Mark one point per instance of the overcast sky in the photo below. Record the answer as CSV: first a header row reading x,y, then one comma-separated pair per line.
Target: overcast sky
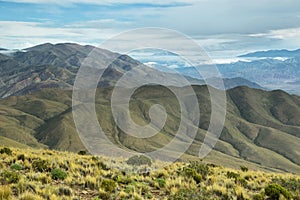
x,y
223,27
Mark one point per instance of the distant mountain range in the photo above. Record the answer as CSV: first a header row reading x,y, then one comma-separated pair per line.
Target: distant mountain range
x,y
261,130
273,69
273,53
55,66
270,70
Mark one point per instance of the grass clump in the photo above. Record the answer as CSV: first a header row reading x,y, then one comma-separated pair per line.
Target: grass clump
x,y
30,196
5,192
64,191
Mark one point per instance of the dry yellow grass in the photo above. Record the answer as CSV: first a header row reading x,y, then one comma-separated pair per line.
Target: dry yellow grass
x,y
28,174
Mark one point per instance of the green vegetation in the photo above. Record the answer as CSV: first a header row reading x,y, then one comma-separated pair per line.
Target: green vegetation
x,y
72,176
139,160
82,152
5,150
274,191
264,132
10,177
58,174
40,165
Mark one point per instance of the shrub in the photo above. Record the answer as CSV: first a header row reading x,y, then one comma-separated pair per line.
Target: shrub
x,y
58,174
291,184
41,165
5,192
189,172
10,177
241,181
244,168
21,157
103,195
44,179
258,197
102,165
274,191
139,160
232,175
108,185
82,153
161,182
6,150
16,167
201,169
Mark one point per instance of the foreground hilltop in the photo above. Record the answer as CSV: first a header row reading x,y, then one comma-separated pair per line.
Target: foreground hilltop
x,y
45,174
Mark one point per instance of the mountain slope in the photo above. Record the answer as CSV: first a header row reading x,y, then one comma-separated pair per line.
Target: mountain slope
x,y
262,128
55,66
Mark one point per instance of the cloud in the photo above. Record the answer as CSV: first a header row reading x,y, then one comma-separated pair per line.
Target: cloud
x,y
166,3
15,34
285,33
231,28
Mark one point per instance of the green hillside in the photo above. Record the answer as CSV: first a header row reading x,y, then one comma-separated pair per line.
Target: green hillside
x,y
262,129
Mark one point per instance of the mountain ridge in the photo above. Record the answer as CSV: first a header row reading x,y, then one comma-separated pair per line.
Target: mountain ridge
x,y
55,66
264,132
273,53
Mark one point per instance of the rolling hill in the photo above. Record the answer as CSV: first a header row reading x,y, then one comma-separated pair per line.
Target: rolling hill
x,y
261,130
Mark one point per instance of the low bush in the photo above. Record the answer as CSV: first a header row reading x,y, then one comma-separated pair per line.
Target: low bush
x,y
191,173
6,150
58,174
139,160
108,185
41,165
161,182
200,168
232,175
16,167
21,157
244,168
82,153
10,177
274,191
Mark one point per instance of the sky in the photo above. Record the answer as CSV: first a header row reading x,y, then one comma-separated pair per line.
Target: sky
x,y
224,28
